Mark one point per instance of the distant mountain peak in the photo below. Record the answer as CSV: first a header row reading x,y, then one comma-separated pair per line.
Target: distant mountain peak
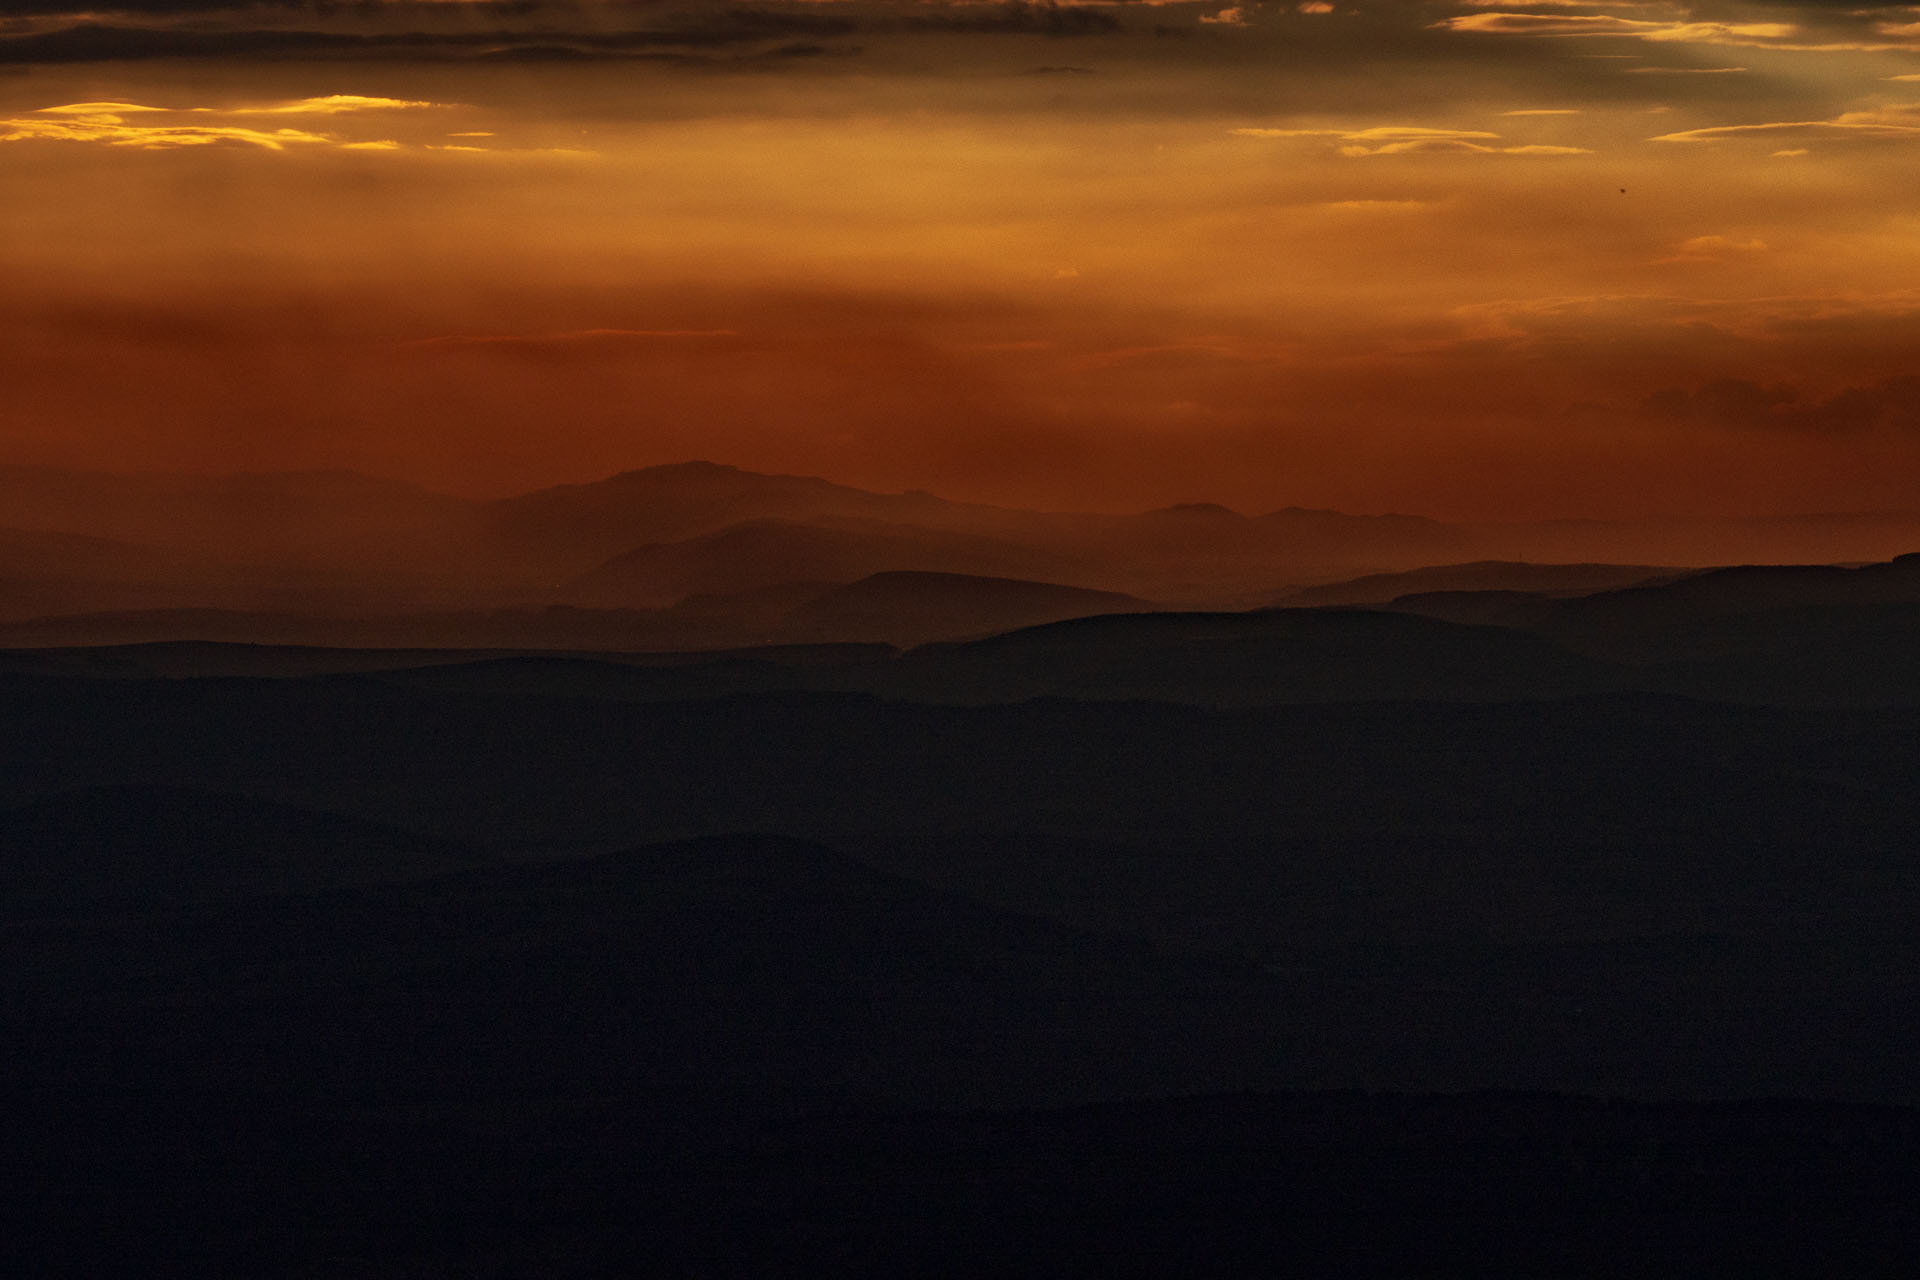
x,y
1201,510
691,467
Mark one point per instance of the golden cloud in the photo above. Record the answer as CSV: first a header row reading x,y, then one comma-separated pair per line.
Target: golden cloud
x,y
1901,121
332,105
1712,249
108,124
1399,140
1604,24
109,128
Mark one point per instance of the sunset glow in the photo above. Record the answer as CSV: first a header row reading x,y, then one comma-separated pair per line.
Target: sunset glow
x,y
1468,260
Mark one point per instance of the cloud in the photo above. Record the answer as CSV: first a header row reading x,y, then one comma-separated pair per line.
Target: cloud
x,y
1313,6
1897,122
134,124
1544,111
1425,145
98,109
1017,17
1234,17
1712,249
1399,140
331,105
1786,36
1602,24
110,128
91,40
1378,133
1375,206
1684,71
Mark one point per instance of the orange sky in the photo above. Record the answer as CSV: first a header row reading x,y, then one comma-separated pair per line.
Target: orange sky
x,y
1102,256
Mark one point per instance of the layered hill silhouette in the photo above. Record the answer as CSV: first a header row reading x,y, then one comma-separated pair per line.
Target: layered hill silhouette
x,y
1054,942
702,872
1655,896
706,539
1481,575
695,1055
911,608
768,553
1661,618
1796,635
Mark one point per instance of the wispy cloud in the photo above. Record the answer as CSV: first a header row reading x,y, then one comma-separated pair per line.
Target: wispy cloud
x,y
138,125
110,128
1785,36
1900,122
1397,140
1701,249
1377,133
331,105
1605,24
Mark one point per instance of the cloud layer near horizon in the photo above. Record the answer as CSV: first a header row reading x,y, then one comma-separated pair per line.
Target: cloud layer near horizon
x,y
1472,259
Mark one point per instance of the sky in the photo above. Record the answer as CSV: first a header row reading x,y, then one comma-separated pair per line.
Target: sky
x,y
1467,259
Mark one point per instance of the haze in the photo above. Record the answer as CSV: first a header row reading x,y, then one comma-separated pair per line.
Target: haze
x,y
1475,262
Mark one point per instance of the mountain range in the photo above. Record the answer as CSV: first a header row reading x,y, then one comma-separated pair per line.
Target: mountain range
x,y
707,873
699,555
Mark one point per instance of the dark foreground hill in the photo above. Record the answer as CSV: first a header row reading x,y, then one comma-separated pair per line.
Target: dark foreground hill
x,y
1624,893
717,1057
137,847
767,974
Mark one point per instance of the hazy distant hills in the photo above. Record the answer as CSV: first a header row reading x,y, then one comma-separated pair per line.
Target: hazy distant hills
x,y
1481,575
1813,636
699,555
587,524
758,554
911,608
1657,614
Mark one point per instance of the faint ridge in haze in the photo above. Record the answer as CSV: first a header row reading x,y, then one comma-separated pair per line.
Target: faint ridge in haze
x,y
685,545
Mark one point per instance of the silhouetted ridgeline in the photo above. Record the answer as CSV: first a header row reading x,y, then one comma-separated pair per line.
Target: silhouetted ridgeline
x,y
1795,635
698,555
